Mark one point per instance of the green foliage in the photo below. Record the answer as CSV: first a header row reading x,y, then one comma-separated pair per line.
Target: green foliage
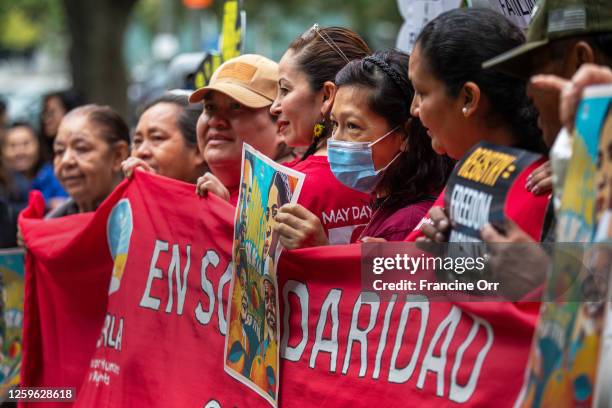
x,y
26,24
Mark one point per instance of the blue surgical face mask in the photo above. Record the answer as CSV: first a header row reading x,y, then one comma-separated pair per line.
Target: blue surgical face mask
x,y
353,165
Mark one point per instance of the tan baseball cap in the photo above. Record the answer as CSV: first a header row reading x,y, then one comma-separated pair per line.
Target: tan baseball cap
x,y
250,79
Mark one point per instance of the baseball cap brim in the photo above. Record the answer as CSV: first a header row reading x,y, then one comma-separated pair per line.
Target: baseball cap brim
x,y
238,92
517,61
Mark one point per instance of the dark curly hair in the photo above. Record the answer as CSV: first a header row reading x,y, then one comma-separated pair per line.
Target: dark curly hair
x,y
418,173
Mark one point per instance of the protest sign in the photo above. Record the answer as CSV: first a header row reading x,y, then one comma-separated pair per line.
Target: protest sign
x,y
517,11
156,337
565,352
416,14
251,348
11,310
603,234
484,183
231,42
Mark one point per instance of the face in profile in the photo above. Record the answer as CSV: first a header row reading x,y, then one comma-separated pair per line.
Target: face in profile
x,y
21,150
544,62
439,113
159,142
270,306
297,106
86,165
603,200
53,112
244,300
274,203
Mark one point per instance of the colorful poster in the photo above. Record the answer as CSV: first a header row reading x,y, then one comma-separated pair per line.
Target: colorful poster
x,y
251,350
603,234
11,310
565,351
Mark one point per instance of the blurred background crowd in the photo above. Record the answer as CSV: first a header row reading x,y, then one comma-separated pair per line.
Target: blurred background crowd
x,y
56,55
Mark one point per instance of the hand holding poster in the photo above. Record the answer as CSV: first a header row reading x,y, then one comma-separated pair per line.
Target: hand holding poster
x,y
565,352
603,234
487,180
251,350
157,337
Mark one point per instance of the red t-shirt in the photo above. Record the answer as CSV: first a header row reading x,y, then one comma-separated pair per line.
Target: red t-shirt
x,y
340,208
522,206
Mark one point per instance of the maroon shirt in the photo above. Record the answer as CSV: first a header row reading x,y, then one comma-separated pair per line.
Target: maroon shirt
x,y
394,225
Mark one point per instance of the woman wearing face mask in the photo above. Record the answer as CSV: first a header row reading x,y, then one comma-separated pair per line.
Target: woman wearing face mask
x,y
165,140
399,168
327,210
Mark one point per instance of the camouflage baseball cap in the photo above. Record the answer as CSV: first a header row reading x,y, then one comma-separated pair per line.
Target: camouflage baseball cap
x,y
552,20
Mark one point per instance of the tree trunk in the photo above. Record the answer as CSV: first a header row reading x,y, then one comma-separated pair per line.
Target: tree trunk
x,y
97,28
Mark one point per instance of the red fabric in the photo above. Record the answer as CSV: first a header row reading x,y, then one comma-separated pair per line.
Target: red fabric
x,y
326,273
339,208
171,355
527,210
67,272
234,196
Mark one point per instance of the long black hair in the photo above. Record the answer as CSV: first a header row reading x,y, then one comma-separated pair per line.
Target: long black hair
x,y
418,173
454,46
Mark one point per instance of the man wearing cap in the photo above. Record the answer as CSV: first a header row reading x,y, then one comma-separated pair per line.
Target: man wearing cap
x,y
236,110
562,36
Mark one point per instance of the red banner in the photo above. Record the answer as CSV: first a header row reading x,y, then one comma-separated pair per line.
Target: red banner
x,y
157,339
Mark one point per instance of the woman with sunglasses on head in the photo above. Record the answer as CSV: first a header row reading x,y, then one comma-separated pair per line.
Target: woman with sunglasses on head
x,y
327,210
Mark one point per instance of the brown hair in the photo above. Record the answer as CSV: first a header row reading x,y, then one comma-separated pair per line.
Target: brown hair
x,y
110,124
320,53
